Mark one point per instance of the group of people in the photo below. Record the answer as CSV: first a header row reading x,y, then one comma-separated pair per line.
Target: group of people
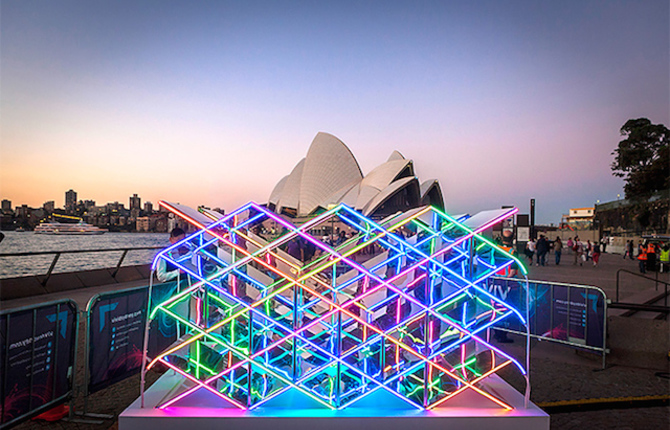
x,y
649,254
582,251
540,249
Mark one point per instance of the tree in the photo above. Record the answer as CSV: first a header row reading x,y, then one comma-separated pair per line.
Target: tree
x,y
643,158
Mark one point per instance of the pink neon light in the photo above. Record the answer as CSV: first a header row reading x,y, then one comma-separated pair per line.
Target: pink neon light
x,y
355,301
198,310
186,375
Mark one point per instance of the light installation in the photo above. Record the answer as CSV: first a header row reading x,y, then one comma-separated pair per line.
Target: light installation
x,y
400,305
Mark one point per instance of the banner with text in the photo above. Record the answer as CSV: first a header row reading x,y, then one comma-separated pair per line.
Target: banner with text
x,y
570,313
116,333
37,348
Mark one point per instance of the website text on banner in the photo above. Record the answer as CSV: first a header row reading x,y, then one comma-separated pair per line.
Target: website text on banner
x,y
37,353
116,333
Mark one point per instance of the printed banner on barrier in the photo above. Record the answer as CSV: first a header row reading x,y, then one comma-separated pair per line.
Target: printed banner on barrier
x,y
578,319
116,334
38,348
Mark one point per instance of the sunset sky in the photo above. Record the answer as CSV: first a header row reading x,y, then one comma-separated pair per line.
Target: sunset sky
x,y
213,102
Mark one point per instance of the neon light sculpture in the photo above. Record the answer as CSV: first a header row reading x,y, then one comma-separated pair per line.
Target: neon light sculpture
x,y
400,305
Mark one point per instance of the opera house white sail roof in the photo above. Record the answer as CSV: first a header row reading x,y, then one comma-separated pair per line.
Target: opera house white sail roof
x,y
330,175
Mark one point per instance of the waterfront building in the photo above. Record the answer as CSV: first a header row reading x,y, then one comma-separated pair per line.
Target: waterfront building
x,y
97,210
161,223
142,224
22,211
89,204
330,175
148,208
115,207
135,202
6,206
70,201
49,206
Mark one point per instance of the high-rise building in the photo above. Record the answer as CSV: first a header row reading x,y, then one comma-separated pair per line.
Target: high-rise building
x,y
6,206
135,202
88,204
49,206
148,208
22,211
70,201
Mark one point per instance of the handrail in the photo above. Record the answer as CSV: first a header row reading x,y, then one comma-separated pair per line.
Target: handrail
x,y
637,307
656,280
78,251
57,255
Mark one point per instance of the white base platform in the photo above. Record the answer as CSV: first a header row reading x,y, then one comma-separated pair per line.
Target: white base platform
x,y
203,410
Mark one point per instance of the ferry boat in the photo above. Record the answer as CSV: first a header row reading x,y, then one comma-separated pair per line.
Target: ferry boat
x,y
55,227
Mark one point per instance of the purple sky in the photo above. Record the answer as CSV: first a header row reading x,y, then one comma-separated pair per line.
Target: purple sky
x,y
213,103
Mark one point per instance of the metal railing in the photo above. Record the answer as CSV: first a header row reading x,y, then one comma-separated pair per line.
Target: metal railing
x,y
572,290
642,306
57,255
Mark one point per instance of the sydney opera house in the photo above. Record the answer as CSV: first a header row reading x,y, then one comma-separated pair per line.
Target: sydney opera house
x,y
330,175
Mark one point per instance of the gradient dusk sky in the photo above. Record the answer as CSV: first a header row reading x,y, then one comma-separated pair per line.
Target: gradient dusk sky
x,y
213,102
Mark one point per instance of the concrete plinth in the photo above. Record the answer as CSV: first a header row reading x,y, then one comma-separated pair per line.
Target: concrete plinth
x,y
293,411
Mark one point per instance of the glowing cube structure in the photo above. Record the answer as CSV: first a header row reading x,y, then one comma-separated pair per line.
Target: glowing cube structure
x,y
399,305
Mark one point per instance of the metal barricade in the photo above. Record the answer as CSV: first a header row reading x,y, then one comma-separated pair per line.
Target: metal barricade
x,y
115,337
38,359
569,314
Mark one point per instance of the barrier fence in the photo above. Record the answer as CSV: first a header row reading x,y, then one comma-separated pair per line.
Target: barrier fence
x,y
39,343
38,359
115,334
571,314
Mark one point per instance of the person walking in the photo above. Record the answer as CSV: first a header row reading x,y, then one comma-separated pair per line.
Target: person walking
x,y
642,257
588,250
570,244
625,250
558,249
530,250
578,249
629,250
542,250
665,258
596,254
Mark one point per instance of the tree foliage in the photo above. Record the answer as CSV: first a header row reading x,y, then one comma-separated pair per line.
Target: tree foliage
x,y
643,158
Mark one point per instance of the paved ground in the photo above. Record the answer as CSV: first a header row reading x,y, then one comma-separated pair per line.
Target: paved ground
x,y
557,372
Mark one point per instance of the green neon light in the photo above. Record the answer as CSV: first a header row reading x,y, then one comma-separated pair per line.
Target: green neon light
x,y
524,270
211,336
470,361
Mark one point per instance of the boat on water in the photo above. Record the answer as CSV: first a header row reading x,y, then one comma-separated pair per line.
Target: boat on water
x,y
55,227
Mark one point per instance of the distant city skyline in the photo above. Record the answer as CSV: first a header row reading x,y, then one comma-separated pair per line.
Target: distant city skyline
x,y
54,202
212,103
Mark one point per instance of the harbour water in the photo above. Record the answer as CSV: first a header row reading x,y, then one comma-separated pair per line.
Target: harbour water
x,y
37,265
